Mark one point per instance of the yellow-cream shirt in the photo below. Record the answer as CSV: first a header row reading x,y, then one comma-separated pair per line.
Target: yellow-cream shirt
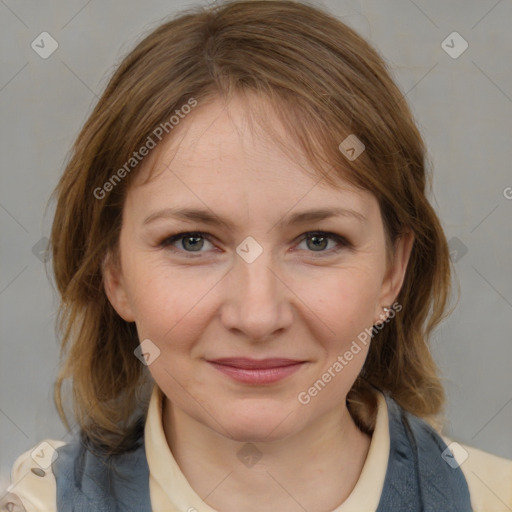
x,y
489,477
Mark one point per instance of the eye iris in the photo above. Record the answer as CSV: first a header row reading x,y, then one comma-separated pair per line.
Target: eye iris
x,y
194,245
321,238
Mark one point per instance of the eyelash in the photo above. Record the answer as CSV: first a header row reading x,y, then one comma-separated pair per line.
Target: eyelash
x,y
344,243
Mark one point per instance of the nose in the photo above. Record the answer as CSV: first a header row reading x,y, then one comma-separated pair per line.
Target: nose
x,y
256,299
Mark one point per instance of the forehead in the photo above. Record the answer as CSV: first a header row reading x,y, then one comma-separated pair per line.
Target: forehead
x,y
223,154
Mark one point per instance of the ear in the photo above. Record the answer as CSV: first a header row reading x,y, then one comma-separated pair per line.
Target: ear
x,y
115,288
395,274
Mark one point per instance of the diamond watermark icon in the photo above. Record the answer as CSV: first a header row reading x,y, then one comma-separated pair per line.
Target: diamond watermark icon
x,y
147,352
44,455
249,454
249,249
44,45
458,249
351,147
455,455
454,45
40,249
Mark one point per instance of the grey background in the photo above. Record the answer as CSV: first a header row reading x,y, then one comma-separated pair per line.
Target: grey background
x,y
463,107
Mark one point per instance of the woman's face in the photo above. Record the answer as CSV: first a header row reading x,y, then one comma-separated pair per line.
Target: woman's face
x,y
256,286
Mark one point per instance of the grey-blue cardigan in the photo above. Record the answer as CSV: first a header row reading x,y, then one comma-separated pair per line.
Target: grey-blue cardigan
x,y
417,477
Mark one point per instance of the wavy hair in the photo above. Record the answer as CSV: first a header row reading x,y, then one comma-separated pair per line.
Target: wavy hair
x,y
324,82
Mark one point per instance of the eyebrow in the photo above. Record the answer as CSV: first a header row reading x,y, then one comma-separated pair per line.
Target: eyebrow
x,y
207,217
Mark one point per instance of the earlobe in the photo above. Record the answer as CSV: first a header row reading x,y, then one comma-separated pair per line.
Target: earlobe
x,y
115,288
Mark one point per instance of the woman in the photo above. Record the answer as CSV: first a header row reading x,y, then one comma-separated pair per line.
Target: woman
x,y
243,239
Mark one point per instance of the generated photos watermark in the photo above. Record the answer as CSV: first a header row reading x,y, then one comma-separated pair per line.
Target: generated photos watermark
x,y
137,156
304,397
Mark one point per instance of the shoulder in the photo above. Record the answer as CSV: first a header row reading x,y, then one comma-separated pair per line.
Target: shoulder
x,y
489,477
417,477
33,486
54,475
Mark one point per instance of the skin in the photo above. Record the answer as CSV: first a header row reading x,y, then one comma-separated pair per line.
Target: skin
x,y
296,300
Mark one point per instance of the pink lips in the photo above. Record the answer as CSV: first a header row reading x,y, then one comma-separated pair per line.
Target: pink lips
x,y
254,371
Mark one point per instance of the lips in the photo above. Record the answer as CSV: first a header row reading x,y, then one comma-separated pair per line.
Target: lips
x,y
257,372
254,364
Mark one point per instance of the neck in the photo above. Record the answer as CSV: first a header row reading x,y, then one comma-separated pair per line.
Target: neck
x,y
279,475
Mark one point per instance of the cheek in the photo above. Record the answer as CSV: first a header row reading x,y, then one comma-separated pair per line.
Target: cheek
x,y
168,304
346,308
344,300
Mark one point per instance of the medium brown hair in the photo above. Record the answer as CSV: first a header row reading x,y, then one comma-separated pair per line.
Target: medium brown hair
x,y
324,82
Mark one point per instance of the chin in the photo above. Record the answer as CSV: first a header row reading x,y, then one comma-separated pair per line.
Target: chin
x,y
252,435
255,426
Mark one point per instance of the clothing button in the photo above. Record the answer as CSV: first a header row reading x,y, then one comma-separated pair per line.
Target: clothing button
x,y
38,471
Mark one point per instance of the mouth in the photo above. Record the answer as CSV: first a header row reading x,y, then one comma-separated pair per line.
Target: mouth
x,y
257,371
